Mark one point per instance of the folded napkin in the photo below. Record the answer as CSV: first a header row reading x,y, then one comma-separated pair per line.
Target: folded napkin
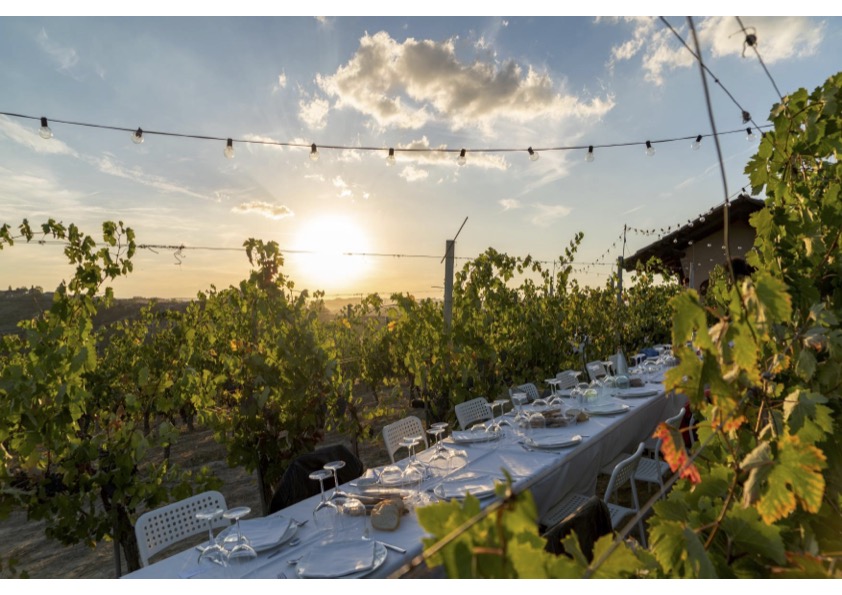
x,y
263,533
471,483
637,391
337,558
553,441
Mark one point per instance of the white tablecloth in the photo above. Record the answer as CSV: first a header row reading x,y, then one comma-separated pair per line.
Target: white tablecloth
x,y
551,475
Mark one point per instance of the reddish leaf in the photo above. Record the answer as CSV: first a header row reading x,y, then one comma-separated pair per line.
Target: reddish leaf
x,y
672,448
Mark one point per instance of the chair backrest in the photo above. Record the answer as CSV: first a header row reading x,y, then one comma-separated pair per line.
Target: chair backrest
x,y
158,529
394,432
568,379
295,484
471,412
622,473
596,370
530,389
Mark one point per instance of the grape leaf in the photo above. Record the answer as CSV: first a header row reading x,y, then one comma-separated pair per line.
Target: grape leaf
x,y
680,551
795,477
748,533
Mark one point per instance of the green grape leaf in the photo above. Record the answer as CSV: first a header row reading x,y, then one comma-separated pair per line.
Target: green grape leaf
x,y
802,566
620,563
773,296
806,364
750,534
689,320
795,477
680,551
801,407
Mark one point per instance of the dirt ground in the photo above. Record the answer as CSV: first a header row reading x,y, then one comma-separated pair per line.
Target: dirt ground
x,y
43,558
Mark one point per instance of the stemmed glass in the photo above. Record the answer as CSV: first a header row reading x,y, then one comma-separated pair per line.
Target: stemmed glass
x,y
326,512
521,417
335,466
242,546
213,552
440,460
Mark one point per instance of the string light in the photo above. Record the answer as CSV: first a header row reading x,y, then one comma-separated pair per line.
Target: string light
x,y
462,160
45,131
229,149
533,156
137,136
650,150
390,160
589,157
697,144
750,136
314,152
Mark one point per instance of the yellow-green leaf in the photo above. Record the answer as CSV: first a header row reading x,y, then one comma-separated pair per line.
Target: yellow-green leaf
x,y
795,478
680,551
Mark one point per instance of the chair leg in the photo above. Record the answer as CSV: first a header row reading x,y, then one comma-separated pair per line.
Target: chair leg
x,y
636,501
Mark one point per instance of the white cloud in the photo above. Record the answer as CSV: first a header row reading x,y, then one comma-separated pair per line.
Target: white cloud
x,y
108,166
779,38
324,21
260,138
424,152
344,190
509,204
266,209
410,173
410,84
314,113
282,80
547,214
349,156
65,57
28,137
505,23
316,177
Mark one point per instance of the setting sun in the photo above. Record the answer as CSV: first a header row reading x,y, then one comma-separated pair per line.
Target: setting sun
x,y
329,249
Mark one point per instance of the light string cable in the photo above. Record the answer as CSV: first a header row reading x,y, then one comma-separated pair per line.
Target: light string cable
x,y
751,41
746,115
313,147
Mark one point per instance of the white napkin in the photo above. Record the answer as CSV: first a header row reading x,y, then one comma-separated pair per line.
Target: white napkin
x,y
553,440
337,558
459,487
264,532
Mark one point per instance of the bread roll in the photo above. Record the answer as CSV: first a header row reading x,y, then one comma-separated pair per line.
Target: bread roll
x,y
386,515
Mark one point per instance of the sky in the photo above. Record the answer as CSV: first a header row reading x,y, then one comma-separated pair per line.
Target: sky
x,y
349,223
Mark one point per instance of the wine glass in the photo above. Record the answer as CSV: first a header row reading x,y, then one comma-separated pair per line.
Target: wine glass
x,y
325,513
241,544
335,466
439,461
352,515
213,551
521,416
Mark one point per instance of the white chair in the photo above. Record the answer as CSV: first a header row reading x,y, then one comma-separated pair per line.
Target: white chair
x,y
596,370
530,389
158,529
654,470
473,411
621,474
567,379
394,432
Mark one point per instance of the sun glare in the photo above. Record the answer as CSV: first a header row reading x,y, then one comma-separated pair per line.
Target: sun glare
x,y
325,244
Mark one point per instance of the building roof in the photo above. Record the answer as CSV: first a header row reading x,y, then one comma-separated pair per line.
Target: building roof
x,y
670,252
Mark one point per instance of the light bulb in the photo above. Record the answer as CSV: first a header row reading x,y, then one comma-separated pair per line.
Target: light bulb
x,y
697,144
462,160
533,156
650,150
702,218
45,131
314,152
750,136
589,157
229,149
390,160
137,136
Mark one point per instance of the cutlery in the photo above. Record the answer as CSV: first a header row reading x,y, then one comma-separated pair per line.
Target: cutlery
x,y
291,543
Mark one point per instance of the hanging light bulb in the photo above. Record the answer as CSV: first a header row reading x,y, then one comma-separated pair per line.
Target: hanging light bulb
x,y
702,218
750,136
697,144
45,131
390,160
589,157
462,160
314,152
533,156
137,136
229,149
650,150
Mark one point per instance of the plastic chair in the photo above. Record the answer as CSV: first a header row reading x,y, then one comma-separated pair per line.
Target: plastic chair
x,y
394,432
568,379
295,484
473,411
530,389
596,369
158,529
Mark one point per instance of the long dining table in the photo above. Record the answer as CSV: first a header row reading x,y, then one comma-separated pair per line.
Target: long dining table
x,y
550,474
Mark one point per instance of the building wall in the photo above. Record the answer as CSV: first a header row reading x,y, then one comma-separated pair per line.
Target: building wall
x,y
706,253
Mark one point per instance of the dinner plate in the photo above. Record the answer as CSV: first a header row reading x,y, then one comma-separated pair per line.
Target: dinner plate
x,y
607,409
317,562
637,392
469,437
265,533
476,484
552,442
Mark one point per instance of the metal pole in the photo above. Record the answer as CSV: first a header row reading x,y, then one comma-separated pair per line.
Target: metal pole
x,y
449,250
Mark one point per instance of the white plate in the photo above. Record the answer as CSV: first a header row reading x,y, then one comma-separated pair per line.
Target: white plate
x,y
607,409
552,442
469,437
318,557
265,533
636,392
478,485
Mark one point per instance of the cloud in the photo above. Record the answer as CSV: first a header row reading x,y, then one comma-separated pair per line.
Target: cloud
x,y
423,152
29,138
65,57
314,113
108,166
410,173
324,21
414,83
509,204
282,80
547,214
266,209
260,138
634,209
779,38
342,186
